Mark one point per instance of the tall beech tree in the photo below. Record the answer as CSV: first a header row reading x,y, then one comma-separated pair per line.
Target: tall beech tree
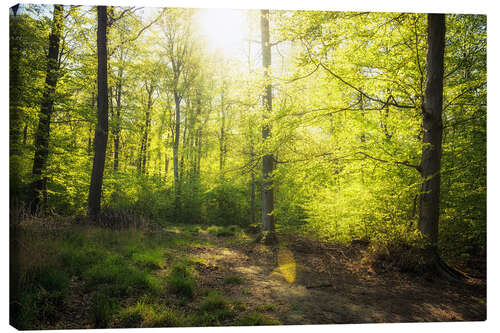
x,y
42,136
432,125
268,228
101,131
14,81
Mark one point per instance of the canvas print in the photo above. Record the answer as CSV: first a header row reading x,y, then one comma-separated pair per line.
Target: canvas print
x,y
191,167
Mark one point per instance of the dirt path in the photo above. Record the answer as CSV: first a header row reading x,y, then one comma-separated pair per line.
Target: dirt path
x,y
304,284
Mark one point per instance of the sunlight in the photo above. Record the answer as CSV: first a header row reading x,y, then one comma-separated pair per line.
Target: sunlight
x,y
287,264
223,29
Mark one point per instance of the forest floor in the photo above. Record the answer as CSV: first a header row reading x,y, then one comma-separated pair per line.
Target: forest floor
x,y
334,284
239,282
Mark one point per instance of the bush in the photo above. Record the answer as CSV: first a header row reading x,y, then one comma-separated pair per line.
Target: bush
x,y
226,204
402,249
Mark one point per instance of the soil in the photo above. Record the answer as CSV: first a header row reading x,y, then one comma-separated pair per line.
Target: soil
x,y
311,282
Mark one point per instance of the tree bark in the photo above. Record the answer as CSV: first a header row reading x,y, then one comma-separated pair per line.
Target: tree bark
x,y
145,138
433,129
117,128
42,136
268,228
175,147
222,137
15,89
101,131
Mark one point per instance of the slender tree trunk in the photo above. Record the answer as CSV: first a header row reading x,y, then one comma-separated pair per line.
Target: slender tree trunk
x,y
25,134
252,188
89,143
42,135
101,131
175,147
183,150
222,136
117,125
166,165
145,138
433,128
268,228
15,89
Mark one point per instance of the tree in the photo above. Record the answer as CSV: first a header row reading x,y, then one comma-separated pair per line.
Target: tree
x,y
178,47
101,131
42,136
268,228
14,81
432,124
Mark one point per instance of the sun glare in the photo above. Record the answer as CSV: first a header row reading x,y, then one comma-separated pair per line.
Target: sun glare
x,y
223,29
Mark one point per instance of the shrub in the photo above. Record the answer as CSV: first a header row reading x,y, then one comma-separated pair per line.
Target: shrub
x,y
402,249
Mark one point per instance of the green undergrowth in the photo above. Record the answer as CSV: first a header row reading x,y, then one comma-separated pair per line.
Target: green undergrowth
x,y
181,279
144,314
133,278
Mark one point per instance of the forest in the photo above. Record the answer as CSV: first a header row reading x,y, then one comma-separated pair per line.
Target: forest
x,y
216,167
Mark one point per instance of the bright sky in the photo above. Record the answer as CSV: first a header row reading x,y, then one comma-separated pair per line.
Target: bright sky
x,y
224,29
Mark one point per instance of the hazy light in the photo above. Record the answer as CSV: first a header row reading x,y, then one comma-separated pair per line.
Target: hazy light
x,y
223,29
287,265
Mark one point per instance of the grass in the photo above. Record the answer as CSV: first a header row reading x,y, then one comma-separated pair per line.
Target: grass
x,y
119,277
265,308
233,280
214,308
150,259
180,279
256,319
101,310
150,315
214,301
114,266
225,231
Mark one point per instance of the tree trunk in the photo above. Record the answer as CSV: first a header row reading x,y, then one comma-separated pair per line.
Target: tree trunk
x,y
101,131
145,138
433,128
252,188
177,188
268,229
15,89
117,128
43,131
222,136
